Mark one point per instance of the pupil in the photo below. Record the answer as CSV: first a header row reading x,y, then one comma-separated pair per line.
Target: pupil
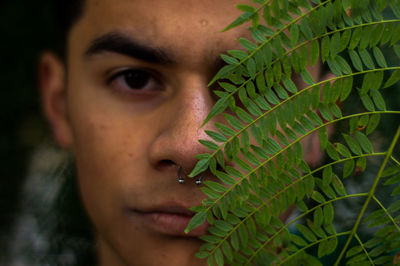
x,y
136,79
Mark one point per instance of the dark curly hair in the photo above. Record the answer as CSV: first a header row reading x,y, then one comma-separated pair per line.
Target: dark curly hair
x,y
66,14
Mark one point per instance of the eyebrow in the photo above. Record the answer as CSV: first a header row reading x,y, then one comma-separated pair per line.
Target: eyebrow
x,y
117,42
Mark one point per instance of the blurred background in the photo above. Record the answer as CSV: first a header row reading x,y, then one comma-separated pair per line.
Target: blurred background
x,y
27,29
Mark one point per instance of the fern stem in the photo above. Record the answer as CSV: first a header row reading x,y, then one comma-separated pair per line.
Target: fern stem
x,y
394,160
289,51
300,179
338,30
387,212
290,145
343,160
293,184
275,34
315,171
298,93
313,244
303,44
363,248
370,194
301,216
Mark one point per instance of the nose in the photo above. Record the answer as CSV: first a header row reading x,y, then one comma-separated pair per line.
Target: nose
x,y
177,143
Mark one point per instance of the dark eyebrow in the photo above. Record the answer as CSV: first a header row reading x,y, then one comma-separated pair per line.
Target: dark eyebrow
x,y
117,42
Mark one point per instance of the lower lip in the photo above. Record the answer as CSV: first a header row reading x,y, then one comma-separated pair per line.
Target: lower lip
x,y
171,223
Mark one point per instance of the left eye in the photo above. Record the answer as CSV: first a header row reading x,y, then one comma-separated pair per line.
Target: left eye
x,y
134,79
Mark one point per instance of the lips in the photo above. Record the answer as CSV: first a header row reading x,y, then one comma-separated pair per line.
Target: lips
x,y
169,220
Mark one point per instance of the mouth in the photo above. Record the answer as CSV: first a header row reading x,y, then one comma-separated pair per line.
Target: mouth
x,y
169,220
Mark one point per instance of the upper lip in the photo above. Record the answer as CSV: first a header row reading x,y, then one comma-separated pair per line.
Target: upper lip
x,y
172,208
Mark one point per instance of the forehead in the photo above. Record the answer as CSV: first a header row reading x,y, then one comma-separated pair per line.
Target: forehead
x,y
181,25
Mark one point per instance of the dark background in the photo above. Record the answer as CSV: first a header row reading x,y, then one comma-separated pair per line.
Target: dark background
x,y
26,30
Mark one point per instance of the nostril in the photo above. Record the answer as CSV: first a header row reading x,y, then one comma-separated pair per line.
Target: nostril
x,y
166,164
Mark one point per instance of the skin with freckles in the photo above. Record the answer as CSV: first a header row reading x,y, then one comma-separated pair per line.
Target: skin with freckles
x,y
130,119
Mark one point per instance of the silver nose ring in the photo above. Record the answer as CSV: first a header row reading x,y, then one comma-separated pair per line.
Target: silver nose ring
x,y
199,180
181,180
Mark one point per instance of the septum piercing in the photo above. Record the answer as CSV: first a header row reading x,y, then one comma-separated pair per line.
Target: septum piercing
x,y
199,180
182,181
180,178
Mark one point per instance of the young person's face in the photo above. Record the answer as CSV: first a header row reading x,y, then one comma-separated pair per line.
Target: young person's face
x,y
131,111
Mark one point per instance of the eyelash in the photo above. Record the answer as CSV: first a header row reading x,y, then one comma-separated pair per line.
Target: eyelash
x,y
146,81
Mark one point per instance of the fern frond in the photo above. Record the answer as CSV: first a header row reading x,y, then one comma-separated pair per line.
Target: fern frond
x,y
370,194
257,153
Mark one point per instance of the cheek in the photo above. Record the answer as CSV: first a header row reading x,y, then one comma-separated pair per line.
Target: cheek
x,y
107,152
106,134
95,147
106,147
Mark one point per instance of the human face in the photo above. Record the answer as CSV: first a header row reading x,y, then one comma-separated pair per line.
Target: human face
x,y
130,107
136,96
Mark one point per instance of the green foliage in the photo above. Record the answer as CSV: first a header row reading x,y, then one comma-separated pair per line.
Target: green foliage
x,y
257,154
